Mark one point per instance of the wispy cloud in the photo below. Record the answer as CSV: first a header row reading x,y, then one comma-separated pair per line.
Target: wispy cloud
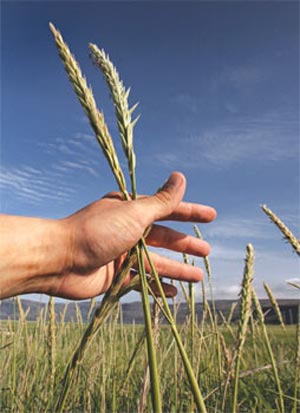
x,y
187,102
33,185
69,167
80,145
271,137
234,227
264,139
63,158
59,169
239,77
79,152
295,280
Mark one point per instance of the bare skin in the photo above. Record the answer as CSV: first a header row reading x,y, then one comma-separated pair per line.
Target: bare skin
x,y
77,257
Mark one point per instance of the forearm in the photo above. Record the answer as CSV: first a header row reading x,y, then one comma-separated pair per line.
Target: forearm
x,y
31,250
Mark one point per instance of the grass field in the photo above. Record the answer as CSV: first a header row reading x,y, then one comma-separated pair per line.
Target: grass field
x,y
113,376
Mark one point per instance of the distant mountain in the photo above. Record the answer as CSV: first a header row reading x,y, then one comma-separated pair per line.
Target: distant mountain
x,y
133,312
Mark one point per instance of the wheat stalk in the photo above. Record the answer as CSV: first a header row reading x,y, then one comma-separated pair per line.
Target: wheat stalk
x,y
294,285
261,320
289,236
275,305
119,96
155,394
101,313
213,314
192,319
245,311
51,344
232,308
227,369
78,316
63,313
205,259
142,404
97,121
186,362
21,312
297,364
22,321
87,100
96,118
125,124
138,347
91,307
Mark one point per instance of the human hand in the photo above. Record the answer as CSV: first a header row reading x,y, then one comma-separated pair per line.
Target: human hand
x,y
78,257
101,234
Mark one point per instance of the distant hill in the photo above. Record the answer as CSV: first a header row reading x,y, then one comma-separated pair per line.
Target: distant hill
x,y
133,312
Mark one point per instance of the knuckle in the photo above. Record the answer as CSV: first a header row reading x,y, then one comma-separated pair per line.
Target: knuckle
x,y
164,198
114,195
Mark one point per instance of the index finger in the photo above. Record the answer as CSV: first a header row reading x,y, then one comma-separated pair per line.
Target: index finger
x,y
185,211
191,212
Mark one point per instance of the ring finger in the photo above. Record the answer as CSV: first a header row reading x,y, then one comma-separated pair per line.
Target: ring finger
x,y
173,269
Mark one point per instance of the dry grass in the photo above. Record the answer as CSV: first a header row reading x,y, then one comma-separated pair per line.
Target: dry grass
x,y
112,373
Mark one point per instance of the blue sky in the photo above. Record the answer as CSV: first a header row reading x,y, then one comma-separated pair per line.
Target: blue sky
x,y
218,87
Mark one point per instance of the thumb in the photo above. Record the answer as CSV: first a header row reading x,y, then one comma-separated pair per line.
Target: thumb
x,y
164,202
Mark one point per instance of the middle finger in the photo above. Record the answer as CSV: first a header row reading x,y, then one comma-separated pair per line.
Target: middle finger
x,y
164,237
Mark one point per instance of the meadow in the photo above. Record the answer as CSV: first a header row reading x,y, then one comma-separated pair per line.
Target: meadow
x,y
114,375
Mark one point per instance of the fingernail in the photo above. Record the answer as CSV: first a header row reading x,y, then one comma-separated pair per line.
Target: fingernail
x,y
171,182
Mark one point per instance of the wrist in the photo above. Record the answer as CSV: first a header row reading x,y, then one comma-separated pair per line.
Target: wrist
x,y
33,251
